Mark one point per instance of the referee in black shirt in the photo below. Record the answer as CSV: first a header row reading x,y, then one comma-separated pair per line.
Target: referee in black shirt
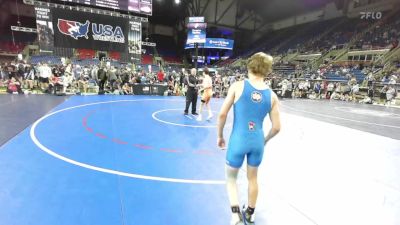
x,y
191,95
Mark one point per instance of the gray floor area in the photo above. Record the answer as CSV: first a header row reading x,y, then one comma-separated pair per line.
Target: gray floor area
x,y
19,111
380,120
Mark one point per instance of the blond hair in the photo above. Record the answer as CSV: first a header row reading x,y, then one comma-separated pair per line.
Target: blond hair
x,y
260,64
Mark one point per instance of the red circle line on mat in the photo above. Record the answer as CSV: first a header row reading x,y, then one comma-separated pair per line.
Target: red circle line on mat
x,y
136,145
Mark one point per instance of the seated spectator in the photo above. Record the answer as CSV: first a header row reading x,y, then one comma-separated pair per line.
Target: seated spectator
x,y
55,84
390,94
14,86
317,90
370,96
355,91
382,96
126,89
346,92
330,90
336,96
393,79
83,82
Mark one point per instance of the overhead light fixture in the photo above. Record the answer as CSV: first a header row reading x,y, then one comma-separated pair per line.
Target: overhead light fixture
x,y
177,2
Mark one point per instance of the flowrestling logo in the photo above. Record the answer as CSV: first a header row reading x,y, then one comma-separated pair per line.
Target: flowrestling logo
x,y
371,15
100,32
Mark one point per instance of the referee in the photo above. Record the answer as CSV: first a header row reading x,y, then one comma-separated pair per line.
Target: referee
x,y
191,95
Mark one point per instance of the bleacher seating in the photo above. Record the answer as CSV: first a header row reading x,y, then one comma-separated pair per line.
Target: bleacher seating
x,y
154,68
285,70
10,47
115,55
331,75
49,59
147,59
86,53
86,62
172,60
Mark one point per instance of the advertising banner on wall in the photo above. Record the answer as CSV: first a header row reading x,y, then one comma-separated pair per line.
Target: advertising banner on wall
x,y
216,43
135,38
44,25
74,29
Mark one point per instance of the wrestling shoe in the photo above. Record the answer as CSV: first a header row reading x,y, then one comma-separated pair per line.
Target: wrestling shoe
x,y
247,217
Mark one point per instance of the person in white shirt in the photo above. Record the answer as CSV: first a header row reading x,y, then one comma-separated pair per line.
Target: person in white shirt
x,y
44,75
390,94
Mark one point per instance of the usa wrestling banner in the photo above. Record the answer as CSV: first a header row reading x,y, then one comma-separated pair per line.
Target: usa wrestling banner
x,y
74,29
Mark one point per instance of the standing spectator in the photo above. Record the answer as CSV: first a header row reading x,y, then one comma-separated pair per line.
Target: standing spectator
x,y
284,87
44,76
93,74
3,72
29,77
77,72
102,76
125,76
112,77
370,96
370,79
160,76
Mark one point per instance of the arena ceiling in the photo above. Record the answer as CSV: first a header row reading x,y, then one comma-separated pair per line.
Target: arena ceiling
x,y
240,14
250,14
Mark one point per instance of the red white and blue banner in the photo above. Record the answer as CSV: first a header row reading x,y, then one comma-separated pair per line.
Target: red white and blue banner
x,y
74,29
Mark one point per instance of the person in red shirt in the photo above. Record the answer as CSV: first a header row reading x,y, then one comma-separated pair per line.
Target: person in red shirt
x,y
14,86
160,76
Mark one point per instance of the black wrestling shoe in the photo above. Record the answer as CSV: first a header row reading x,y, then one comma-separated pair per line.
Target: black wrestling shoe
x,y
247,217
185,113
195,114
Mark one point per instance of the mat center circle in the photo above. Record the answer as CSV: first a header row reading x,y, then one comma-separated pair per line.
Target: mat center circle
x,y
176,117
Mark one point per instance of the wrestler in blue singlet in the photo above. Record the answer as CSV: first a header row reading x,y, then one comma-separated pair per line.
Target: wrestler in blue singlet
x,y
247,137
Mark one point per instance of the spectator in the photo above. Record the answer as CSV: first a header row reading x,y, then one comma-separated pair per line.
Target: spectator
x,y
390,94
112,77
102,76
317,90
126,89
14,86
354,91
160,76
382,96
370,96
29,77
